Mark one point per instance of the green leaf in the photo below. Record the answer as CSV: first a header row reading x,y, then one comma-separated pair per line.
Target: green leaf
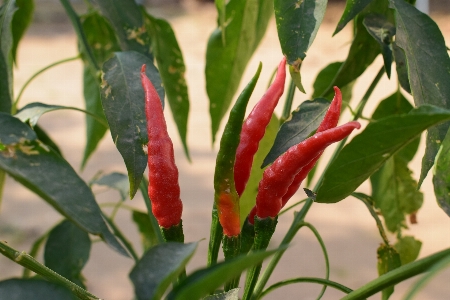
x,y
383,32
95,130
323,80
100,37
388,260
204,281
441,178
172,69
225,63
408,248
395,192
352,9
303,121
102,42
44,172
33,111
127,21
146,230
123,103
248,197
397,104
21,20
159,267
46,139
401,67
297,77
297,26
368,151
428,68
6,59
67,251
21,289
114,180
357,61
230,295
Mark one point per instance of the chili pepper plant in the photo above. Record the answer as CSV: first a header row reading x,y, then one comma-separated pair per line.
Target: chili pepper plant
x,y
134,69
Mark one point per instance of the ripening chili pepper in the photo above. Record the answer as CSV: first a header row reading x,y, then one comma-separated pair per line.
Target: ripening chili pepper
x,y
163,189
330,120
254,128
225,195
278,177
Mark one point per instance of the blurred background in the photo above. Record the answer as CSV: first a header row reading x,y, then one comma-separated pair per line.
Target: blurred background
x,y
346,227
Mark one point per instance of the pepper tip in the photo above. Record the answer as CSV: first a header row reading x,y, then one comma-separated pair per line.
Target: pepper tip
x,y
144,66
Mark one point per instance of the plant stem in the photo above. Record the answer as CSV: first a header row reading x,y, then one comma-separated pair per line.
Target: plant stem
x,y
121,237
14,108
215,237
322,281
397,275
155,226
295,226
288,104
27,261
374,215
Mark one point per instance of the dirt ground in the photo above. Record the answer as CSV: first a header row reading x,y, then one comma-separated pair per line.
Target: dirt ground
x,y
347,228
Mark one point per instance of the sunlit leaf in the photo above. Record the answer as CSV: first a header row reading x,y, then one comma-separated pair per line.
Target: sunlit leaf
x,y
369,150
225,62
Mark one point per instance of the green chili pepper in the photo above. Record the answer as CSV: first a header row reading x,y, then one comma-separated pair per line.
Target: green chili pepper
x,y
226,199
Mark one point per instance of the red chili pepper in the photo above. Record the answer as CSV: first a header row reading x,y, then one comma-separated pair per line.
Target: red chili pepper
x,y
279,176
330,120
163,189
254,128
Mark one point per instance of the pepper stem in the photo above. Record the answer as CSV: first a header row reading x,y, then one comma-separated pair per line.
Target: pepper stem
x,y
264,229
231,249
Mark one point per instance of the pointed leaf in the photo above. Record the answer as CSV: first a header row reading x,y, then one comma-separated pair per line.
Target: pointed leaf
x,y
323,80
401,66
304,121
297,26
383,32
172,69
357,61
146,230
117,181
408,248
44,172
123,103
20,289
159,267
368,151
6,59
441,178
428,68
95,130
127,21
204,281
21,20
67,251
33,111
225,63
352,9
